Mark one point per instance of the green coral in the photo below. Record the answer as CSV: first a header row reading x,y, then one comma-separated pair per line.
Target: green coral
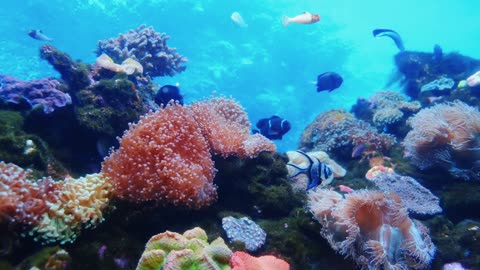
x,y
190,251
109,106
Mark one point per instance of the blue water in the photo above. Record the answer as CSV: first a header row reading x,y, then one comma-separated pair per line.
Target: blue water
x,y
268,68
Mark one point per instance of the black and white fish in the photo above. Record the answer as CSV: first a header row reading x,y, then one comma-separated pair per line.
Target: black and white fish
x,y
316,171
273,128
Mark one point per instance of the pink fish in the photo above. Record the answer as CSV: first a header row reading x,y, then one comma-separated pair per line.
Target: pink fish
x,y
346,189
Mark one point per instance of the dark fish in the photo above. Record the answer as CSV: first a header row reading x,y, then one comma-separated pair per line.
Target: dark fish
x,y
437,53
39,35
273,128
328,81
358,150
316,171
167,93
392,34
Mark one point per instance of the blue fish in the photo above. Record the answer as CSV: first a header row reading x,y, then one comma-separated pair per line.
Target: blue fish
x,y
316,171
391,34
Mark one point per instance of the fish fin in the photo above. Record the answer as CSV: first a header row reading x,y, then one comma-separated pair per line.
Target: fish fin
x,y
285,20
307,156
299,170
312,184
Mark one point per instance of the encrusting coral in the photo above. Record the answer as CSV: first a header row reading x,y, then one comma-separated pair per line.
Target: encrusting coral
x,y
372,228
190,250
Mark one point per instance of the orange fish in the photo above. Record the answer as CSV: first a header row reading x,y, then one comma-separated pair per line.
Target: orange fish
x,y
304,18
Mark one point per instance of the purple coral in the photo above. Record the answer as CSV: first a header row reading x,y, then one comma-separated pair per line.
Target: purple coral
x,y
147,47
44,92
415,197
244,230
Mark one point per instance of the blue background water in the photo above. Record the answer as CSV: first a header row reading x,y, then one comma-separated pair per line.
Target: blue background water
x,y
269,68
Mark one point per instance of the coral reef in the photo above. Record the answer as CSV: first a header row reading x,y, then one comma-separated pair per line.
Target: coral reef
x,y
166,156
51,211
445,136
108,106
337,129
416,198
245,231
244,261
147,47
389,107
47,93
372,228
419,68
190,250
75,74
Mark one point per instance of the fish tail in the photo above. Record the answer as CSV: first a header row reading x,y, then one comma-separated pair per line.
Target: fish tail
x,y
285,20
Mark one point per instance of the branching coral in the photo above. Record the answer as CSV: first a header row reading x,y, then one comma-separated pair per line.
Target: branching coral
x,y
441,134
147,47
166,156
373,229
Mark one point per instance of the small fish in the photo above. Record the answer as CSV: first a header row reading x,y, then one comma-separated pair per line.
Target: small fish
x,y
273,128
358,150
238,20
346,189
167,93
473,228
328,81
304,18
316,171
392,34
39,35
437,53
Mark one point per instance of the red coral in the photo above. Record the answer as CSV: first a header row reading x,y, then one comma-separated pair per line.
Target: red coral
x,y
22,200
166,156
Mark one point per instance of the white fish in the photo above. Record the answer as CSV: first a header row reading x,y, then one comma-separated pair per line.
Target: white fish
x,y
238,20
304,18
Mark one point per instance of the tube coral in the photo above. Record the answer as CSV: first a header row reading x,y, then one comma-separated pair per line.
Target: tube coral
x,y
373,228
165,157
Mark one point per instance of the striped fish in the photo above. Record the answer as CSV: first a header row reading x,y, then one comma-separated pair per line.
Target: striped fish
x,y
316,171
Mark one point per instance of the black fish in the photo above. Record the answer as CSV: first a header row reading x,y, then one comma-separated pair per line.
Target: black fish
x,y
273,128
392,34
328,81
167,93
316,171
39,35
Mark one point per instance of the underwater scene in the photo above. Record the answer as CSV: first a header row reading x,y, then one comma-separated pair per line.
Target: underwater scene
x,y
242,135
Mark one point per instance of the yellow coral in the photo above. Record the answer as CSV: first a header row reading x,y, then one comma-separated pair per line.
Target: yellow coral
x,y
78,203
